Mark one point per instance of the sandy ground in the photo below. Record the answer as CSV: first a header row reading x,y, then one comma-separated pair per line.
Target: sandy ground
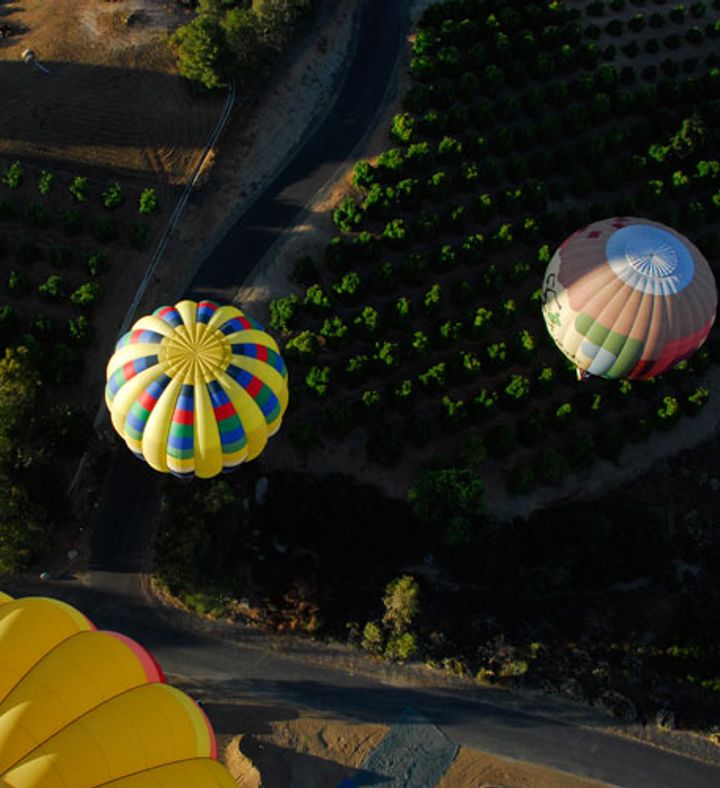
x,y
277,746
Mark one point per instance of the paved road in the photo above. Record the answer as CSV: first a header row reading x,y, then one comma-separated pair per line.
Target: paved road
x,y
244,664
382,26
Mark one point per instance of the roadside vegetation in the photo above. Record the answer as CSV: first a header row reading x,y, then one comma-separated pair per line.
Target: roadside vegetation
x,y
419,336
236,38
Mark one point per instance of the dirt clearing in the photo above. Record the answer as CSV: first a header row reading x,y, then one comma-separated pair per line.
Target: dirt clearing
x,y
111,99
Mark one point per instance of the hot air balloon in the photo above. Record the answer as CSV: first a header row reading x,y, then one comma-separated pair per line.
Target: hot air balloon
x,y
196,389
81,707
628,298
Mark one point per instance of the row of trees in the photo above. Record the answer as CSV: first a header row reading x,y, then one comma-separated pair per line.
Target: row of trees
x,y
113,195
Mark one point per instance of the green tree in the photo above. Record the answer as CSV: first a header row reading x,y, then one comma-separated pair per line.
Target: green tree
x,y
402,603
242,34
399,648
113,196
148,202
202,52
45,182
283,312
86,295
13,177
451,501
79,189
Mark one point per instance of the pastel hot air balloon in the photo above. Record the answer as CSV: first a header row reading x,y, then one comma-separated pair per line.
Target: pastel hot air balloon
x,y
196,389
81,707
628,298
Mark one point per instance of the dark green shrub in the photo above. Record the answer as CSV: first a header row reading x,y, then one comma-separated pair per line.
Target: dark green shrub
x,y
80,330
317,380
356,368
316,300
368,321
52,289
334,330
113,196
86,296
97,262
79,189
348,289
668,412
697,400
13,177
484,403
434,377
45,182
347,216
284,312
302,346
149,202
517,389
402,311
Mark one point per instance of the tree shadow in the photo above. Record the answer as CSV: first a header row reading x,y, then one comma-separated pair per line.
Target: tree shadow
x,y
234,718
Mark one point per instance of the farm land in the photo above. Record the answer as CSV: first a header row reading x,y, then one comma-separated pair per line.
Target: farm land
x,y
423,324
417,344
96,117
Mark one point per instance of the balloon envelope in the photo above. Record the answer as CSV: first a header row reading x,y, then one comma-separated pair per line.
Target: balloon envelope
x,y
196,388
85,708
628,298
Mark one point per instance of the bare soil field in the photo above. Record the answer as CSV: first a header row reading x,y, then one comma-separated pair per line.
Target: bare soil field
x,y
112,99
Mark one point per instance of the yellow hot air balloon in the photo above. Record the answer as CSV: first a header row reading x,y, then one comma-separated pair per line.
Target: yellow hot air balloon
x,y
196,389
81,707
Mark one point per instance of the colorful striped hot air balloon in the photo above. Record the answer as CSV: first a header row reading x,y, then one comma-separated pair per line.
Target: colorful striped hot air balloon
x,y
80,707
196,389
628,298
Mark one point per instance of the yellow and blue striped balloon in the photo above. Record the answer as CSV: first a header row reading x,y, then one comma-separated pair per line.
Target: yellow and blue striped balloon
x,y
196,389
